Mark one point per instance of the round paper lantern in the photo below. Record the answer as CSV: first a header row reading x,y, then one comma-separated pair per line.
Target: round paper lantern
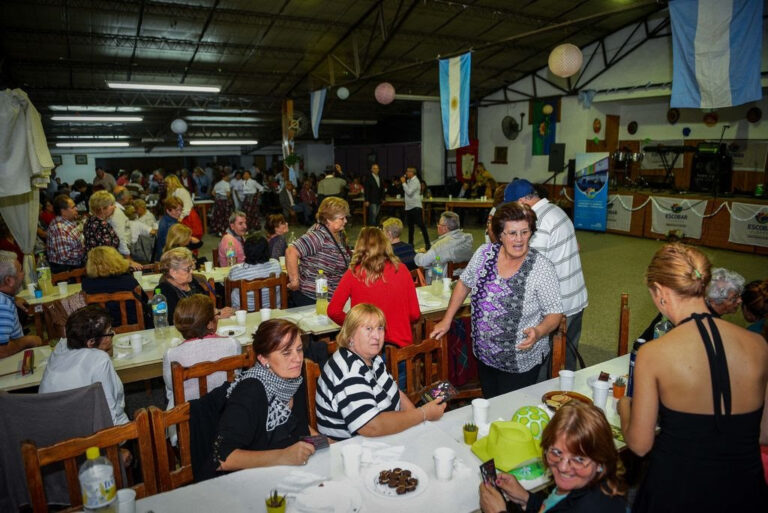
x,y
565,60
385,93
342,93
178,126
532,417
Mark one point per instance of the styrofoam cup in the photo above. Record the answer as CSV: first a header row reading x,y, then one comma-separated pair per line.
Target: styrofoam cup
x,y
208,267
600,393
480,408
351,455
137,343
566,380
266,314
63,286
126,500
444,458
240,316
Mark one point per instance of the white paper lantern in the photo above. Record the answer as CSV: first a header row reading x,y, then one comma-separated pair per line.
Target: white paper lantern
x,y
179,126
565,60
342,93
385,93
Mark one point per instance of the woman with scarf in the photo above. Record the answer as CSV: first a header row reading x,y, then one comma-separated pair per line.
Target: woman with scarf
x,y
265,415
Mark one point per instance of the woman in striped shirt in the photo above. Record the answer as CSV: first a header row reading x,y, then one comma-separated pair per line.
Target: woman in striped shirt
x,y
355,393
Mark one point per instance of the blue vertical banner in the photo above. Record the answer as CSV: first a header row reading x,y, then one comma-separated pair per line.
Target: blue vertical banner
x,y
316,104
454,99
590,192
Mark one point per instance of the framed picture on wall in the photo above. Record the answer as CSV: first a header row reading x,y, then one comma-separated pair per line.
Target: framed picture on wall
x,y
56,160
499,155
81,160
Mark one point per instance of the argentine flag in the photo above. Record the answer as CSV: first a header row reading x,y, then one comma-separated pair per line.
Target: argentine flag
x,y
316,104
454,99
716,49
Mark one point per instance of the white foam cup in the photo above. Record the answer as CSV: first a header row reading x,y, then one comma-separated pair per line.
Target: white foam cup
x,y
480,411
350,456
240,316
566,380
444,458
266,314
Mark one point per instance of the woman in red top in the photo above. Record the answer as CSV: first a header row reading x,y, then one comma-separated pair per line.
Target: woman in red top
x,y
377,276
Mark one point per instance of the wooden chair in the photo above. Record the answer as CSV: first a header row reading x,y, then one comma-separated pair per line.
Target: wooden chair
x,y
76,275
272,283
311,375
454,266
169,475
425,364
559,342
215,256
70,450
418,277
467,391
122,298
201,371
623,346
153,268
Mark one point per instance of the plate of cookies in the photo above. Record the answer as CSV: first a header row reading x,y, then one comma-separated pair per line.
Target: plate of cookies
x,y
396,479
556,398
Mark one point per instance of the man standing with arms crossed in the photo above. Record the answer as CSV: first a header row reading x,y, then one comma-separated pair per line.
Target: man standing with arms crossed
x,y
374,194
555,238
413,209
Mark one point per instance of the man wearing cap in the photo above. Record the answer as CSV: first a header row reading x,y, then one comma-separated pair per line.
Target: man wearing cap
x,y
555,237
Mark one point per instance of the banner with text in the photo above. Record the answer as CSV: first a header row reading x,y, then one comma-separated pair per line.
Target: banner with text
x,y
590,194
619,212
749,224
678,216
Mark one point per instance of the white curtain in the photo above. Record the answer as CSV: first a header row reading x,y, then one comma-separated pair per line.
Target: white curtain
x,y
20,214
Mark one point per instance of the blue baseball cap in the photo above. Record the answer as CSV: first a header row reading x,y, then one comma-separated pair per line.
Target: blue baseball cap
x,y
520,188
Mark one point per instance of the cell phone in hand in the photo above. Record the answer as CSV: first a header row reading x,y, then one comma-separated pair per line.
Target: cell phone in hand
x,y
317,441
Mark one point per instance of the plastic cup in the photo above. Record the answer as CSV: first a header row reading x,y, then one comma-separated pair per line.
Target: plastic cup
x,y
137,343
444,458
63,285
480,408
397,196
126,500
31,289
137,275
351,455
240,316
266,314
208,267
600,393
566,380
447,285
282,262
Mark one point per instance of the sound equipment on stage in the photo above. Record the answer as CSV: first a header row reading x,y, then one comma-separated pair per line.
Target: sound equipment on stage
x,y
663,151
556,157
712,168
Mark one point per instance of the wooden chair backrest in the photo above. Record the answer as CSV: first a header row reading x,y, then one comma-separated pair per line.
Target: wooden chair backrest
x,y
311,375
469,390
454,266
418,277
68,451
122,298
272,283
153,268
201,371
75,274
171,477
559,341
215,256
425,363
623,346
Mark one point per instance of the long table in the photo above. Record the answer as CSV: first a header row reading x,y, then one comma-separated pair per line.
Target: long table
x,y
449,203
148,364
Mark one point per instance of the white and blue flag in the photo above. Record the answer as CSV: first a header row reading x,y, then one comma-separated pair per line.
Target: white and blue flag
x,y
316,104
716,48
454,99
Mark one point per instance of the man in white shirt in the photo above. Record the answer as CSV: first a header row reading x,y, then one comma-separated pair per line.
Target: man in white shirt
x,y
119,220
104,179
238,194
452,245
413,209
555,238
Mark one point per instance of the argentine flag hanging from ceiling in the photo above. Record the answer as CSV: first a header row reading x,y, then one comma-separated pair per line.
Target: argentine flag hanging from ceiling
x,y
716,51
454,99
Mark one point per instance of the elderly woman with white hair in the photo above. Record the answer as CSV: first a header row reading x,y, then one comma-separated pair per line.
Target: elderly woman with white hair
x,y
723,294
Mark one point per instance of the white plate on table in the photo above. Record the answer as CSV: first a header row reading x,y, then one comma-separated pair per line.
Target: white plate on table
x,y
125,342
231,331
429,300
328,496
371,480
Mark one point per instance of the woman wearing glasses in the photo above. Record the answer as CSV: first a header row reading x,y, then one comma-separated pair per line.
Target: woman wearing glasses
x,y
577,447
84,357
515,303
178,281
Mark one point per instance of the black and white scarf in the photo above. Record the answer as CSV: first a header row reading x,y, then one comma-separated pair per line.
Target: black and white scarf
x,y
279,392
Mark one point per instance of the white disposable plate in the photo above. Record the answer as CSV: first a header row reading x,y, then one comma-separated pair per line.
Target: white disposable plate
x,y
327,496
429,300
231,331
125,342
371,480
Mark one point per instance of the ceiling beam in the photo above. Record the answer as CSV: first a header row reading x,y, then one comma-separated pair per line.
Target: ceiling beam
x,y
199,39
136,40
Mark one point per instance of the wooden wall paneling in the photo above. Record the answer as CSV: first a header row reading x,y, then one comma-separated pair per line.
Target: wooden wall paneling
x,y
612,132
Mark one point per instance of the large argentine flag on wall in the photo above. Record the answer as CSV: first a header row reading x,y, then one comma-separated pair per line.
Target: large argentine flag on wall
x,y
454,99
716,47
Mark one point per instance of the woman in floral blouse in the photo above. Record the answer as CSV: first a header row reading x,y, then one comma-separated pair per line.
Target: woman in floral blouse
x,y
97,230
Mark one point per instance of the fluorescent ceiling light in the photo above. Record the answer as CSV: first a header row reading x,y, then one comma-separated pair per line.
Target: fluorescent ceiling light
x,y
91,137
93,108
152,139
224,111
164,87
98,119
241,119
222,142
92,144
224,124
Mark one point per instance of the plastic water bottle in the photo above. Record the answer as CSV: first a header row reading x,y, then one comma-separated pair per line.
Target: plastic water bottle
x,y
438,271
159,313
632,357
662,327
231,254
97,482
321,294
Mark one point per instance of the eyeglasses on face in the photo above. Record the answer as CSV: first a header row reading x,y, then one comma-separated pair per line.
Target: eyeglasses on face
x,y
522,234
555,456
187,269
108,334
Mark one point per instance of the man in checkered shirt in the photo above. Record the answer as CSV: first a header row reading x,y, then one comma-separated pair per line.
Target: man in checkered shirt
x,y
66,248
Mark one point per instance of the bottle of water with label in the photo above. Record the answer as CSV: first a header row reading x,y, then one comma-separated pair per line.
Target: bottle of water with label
x,y
97,483
321,294
438,271
159,313
231,254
